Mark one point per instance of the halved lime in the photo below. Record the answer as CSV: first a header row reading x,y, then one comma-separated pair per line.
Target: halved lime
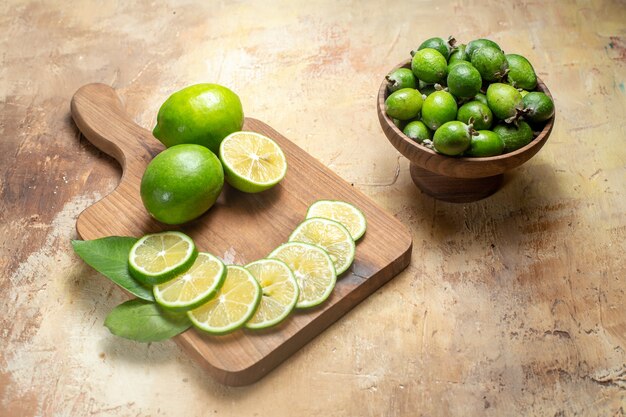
x,y
159,257
252,162
345,213
313,269
279,292
232,306
193,287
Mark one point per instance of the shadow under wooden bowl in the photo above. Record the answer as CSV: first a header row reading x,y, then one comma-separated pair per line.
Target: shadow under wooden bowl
x,y
456,179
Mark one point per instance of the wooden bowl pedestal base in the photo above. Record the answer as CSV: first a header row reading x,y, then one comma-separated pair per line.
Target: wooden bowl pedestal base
x,y
454,190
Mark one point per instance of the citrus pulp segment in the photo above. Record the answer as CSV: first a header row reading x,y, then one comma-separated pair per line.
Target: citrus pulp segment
x,y
313,269
193,287
279,291
233,305
345,213
159,257
252,162
330,236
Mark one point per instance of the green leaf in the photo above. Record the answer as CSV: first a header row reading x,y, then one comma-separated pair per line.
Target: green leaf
x,y
109,256
143,321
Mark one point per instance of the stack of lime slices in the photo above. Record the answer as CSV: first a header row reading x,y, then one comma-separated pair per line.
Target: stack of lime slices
x,y
219,299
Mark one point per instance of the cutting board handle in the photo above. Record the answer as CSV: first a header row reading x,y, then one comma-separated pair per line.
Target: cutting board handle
x,y
101,117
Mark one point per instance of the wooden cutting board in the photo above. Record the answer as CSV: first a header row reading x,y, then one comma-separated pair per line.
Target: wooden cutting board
x,y
240,228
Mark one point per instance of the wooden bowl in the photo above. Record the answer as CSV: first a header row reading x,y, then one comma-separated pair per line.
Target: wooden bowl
x,y
456,179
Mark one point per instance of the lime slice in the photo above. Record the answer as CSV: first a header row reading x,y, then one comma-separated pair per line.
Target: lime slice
x,y
345,213
159,257
279,292
252,162
193,287
330,236
313,269
232,306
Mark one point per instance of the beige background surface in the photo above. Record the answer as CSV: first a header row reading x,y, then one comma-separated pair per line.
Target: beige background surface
x,y
514,305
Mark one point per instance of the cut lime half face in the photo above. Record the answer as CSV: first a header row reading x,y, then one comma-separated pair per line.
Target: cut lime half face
x,y
252,162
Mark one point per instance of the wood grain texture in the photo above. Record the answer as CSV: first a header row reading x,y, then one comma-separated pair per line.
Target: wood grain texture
x,y
240,229
451,189
512,305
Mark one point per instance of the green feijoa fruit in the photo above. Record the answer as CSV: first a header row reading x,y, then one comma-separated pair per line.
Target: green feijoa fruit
x,y
490,63
478,112
504,100
417,131
481,97
452,65
485,143
429,65
439,107
399,123
452,138
476,44
514,137
464,80
457,55
538,106
521,73
438,44
404,104
426,89
400,78
523,93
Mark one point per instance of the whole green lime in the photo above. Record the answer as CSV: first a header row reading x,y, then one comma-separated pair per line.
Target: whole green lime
x,y
490,62
521,73
514,137
486,143
464,80
203,114
181,183
452,138
439,107
480,114
400,78
429,65
404,104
